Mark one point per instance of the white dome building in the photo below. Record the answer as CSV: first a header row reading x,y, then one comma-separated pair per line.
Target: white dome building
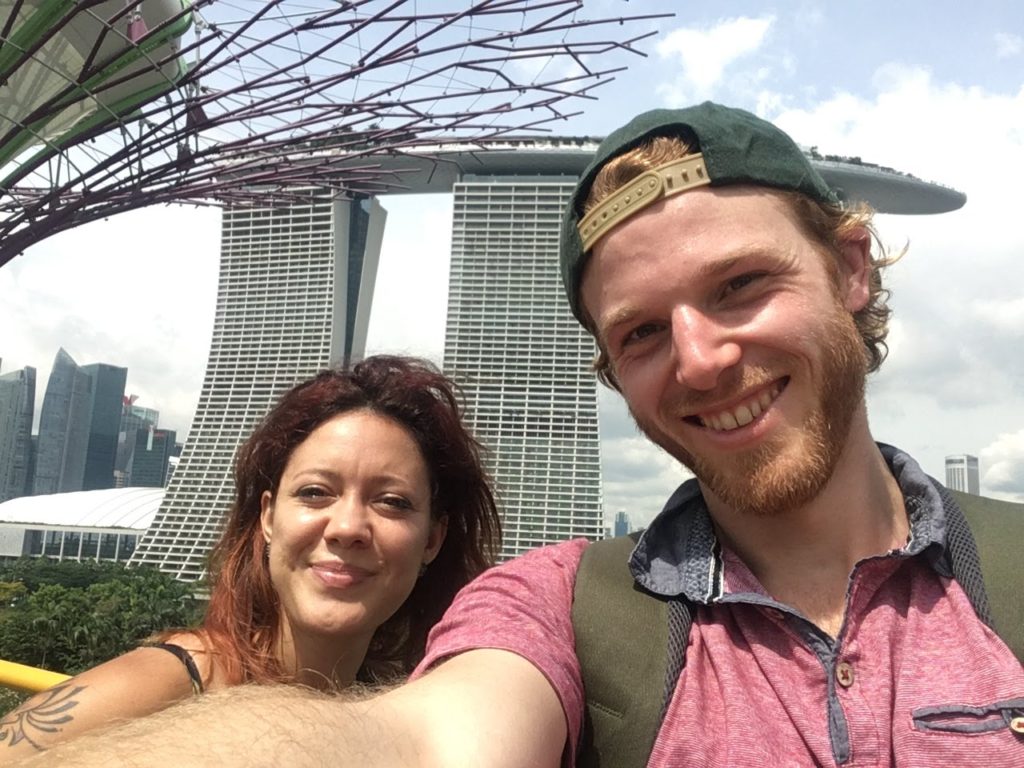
x,y
84,525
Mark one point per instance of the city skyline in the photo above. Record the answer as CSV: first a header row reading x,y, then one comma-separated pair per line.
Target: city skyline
x,y
81,437
834,77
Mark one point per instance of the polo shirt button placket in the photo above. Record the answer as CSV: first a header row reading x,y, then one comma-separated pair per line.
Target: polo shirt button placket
x,y
844,674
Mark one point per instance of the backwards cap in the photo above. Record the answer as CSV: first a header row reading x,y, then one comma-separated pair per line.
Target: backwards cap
x,y
736,147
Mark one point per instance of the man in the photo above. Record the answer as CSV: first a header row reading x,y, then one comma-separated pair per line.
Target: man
x,y
737,308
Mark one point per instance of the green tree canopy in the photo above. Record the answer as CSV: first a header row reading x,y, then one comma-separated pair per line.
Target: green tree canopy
x,y
71,616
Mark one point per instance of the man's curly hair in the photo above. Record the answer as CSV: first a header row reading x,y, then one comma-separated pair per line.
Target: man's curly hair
x,y
827,225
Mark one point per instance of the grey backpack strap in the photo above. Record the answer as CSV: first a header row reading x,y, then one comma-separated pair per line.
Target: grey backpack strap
x,y
983,538
631,646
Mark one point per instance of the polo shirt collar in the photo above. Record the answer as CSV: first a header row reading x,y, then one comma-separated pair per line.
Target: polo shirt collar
x,y
679,554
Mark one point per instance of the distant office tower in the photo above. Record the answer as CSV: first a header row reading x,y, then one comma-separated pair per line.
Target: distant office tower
x,y
153,450
523,360
962,473
133,418
293,298
107,397
17,408
621,523
63,428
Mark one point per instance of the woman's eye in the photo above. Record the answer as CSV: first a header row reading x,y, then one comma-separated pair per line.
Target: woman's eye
x,y
396,502
311,492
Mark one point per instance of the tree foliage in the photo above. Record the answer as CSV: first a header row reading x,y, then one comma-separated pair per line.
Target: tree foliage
x,y
71,616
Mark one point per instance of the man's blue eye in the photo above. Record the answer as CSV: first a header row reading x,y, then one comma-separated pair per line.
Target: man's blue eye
x,y
641,332
738,283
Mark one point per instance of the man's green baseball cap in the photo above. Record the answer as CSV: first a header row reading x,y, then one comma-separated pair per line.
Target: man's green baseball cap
x,y
736,147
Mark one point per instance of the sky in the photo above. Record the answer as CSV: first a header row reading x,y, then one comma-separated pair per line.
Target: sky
x,y
923,87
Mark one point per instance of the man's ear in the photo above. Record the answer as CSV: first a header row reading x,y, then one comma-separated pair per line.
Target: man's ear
x,y
855,270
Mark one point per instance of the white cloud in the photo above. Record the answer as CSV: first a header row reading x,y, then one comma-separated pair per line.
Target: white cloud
x,y
137,290
953,380
638,478
1002,464
705,54
1002,315
409,303
1008,45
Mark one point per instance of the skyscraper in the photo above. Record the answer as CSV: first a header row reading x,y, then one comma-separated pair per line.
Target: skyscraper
x,y
621,523
962,473
17,409
153,449
293,298
63,428
133,418
107,395
523,360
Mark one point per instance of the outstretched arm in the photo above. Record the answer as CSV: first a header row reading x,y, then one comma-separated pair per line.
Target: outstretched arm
x,y
483,707
133,685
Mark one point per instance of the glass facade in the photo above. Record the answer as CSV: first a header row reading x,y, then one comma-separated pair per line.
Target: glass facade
x,y
114,546
107,399
523,360
63,428
153,449
17,408
133,418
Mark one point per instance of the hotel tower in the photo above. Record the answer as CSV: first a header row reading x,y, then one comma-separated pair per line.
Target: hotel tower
x,y
293,298
523,360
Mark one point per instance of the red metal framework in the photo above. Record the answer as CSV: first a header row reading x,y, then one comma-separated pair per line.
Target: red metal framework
x,y
258,99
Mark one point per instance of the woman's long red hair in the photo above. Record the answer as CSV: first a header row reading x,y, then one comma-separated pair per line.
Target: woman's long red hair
x,y
242,619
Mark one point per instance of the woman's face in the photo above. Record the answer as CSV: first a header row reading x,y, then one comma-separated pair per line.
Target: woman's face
x,y
349,527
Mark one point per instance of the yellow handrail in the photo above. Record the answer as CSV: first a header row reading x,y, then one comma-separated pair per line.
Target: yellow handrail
x,y
30,679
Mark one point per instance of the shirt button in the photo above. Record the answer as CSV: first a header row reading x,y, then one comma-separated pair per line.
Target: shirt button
x,y
1017,725
844,674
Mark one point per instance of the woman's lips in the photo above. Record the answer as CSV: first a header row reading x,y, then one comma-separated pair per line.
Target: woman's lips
x,y
341,575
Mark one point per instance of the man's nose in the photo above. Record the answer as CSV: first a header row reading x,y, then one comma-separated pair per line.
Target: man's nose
x,y
702,348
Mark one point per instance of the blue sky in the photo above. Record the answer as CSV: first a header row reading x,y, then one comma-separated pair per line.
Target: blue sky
x,y
923,87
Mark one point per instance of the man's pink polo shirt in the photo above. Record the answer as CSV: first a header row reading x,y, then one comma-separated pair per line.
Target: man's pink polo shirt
x,y
914,678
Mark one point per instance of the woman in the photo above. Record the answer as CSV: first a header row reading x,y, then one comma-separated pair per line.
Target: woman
x,y
361,508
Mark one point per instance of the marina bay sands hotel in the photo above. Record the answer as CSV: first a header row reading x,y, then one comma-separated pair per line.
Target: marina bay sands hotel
x,y
294,297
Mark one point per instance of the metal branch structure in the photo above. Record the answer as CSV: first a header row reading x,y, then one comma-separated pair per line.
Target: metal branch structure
x,y
111,105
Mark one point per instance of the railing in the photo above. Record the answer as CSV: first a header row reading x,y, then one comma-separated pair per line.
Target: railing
x,y
29,679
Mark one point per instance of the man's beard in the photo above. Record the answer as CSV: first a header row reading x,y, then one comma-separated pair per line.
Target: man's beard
x,y
778,475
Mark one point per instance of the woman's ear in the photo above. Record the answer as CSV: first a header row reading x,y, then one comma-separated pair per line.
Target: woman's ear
x,y
438,531
267,515
855,270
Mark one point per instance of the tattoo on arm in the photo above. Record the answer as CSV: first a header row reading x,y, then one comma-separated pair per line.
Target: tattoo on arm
x,y
43,714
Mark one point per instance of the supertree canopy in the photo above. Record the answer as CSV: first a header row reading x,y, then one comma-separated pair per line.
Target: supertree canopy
x,y
111,105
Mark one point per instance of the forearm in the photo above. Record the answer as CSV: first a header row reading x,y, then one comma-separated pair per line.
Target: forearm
x,y
137,684
248,725
485,707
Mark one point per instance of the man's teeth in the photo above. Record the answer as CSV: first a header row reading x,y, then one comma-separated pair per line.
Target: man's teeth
x,y
742,414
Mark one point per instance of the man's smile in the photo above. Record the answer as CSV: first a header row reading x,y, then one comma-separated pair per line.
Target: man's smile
x,y
741,413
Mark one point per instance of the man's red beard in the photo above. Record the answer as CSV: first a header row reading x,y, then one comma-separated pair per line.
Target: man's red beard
x,y
770,479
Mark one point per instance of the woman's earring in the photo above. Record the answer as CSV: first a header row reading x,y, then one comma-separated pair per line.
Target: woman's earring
x,y
423,570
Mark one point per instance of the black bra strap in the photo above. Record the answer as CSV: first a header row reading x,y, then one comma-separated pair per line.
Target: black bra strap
x,y
185,658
